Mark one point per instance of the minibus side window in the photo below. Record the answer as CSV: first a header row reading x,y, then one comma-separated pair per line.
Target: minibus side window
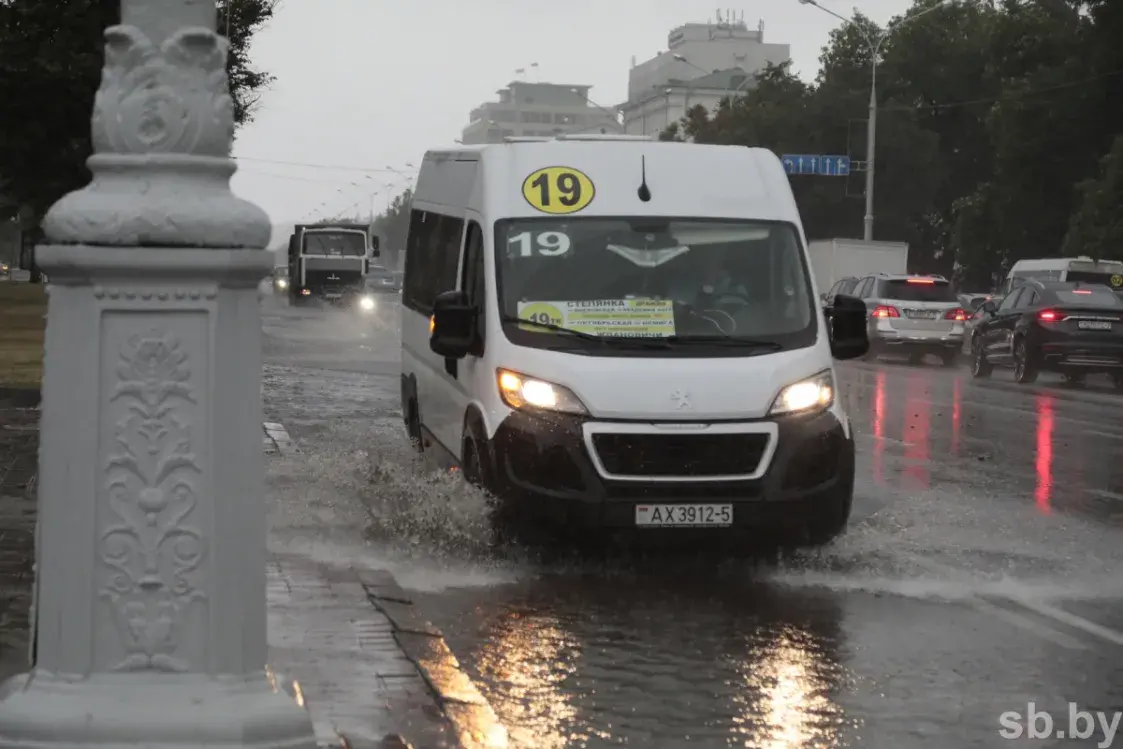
x,y
432,258
415,291
472,276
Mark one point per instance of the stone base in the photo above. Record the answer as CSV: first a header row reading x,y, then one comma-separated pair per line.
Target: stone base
x,y
155,711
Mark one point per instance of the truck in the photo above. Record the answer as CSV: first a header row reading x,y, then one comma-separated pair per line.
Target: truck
x,y
835,259
329,262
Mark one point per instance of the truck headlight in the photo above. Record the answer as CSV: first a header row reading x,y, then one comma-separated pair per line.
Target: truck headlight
x,y
367,303
813,394
282,283
519,391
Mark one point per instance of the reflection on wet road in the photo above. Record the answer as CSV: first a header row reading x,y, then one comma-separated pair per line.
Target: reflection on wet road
x,y
1054,446
986,517
983,571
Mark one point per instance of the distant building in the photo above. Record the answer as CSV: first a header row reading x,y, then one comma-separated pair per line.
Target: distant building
x,y
538,109
703,63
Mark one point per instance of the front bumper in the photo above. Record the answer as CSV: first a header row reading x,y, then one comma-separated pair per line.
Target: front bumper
x,y
543,459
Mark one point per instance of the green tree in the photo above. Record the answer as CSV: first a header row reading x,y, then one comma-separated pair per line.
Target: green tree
x,y
392,225
1042,134
50,66
1096,228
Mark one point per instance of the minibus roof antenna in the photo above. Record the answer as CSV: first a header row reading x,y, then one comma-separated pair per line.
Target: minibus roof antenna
x,y
644,191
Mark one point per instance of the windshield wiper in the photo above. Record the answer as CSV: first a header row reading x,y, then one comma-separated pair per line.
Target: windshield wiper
x,y
725,340
556,328
620,342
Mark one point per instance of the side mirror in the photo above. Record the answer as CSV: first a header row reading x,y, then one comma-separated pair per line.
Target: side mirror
x,y
374,251
848,318
366,266
452,329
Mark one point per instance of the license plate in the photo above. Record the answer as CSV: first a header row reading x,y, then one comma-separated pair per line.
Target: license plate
x,y
1093,325
919,314
684,516
333,296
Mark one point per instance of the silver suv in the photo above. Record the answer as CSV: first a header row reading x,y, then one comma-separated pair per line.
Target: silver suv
x,y
913,315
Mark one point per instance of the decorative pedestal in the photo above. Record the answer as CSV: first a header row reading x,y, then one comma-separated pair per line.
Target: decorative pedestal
x,y
151,620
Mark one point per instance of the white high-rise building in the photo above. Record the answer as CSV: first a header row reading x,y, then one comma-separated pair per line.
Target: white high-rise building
x,y
703,63
538,109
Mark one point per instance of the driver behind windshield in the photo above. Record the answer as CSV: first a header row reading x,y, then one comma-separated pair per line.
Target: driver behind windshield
x,y
708,279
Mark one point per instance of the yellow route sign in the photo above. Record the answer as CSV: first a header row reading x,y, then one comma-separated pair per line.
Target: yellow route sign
x,y
559,190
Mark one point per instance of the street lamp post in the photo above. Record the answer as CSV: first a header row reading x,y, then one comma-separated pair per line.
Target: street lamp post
x,y
151,612
873,44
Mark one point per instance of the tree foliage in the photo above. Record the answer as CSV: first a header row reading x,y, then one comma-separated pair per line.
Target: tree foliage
x,y
392,225
51,54
998,132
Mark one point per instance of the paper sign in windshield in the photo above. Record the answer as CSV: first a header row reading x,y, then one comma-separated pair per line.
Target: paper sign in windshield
x,y
626,318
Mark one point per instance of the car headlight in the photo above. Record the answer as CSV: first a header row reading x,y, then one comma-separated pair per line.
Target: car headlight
x,y
813,394
519,391
282,283
367,303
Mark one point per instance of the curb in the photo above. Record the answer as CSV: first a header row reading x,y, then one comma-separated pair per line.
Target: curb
x,y
475,723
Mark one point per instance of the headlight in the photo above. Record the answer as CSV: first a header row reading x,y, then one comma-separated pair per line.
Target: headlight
x,y
813,394
366,303
520,391
282,283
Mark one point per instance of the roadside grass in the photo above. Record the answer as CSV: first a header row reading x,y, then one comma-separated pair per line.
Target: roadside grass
x,y
23,309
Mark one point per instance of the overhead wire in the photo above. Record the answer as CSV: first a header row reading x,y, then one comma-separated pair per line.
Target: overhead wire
x,y
310,165
1003,97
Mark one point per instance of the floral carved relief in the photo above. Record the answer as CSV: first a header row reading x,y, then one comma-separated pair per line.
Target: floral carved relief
x,y
150,552
167,98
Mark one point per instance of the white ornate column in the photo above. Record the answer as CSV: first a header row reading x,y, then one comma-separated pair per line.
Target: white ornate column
x,y
151,608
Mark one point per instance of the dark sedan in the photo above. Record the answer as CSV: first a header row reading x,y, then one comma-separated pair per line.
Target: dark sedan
x,y
1072,328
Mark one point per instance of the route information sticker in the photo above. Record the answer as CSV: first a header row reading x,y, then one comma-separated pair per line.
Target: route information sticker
x,y
632,318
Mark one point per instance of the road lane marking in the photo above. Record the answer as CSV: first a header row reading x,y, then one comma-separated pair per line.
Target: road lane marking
x,y
867,435
1105,494
1041,609
1019,620
1072,620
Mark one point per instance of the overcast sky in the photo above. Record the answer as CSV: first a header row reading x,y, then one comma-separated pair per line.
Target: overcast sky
x,y
371,84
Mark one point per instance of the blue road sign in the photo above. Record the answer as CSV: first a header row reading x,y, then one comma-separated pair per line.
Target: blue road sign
x,y
820,164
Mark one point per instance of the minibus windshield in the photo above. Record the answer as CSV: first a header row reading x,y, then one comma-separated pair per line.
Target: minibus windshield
x,y
687,280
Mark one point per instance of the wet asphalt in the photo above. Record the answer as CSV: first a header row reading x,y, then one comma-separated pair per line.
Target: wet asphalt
x,y
982,572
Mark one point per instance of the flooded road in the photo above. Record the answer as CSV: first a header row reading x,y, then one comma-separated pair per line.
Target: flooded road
x,y
982,572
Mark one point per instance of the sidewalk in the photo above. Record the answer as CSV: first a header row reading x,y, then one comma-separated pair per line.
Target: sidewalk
x,y
370,672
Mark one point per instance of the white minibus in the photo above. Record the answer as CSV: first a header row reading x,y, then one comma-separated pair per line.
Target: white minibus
x,y
1081,269
624,332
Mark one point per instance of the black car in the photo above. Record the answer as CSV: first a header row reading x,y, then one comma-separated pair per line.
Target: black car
x,y
1072,328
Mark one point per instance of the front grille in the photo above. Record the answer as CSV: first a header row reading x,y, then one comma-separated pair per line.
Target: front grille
x,y
666,455
332,278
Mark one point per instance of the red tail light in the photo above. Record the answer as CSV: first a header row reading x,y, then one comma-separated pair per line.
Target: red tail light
x,y
884,311
1050,315
920,280
959,315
